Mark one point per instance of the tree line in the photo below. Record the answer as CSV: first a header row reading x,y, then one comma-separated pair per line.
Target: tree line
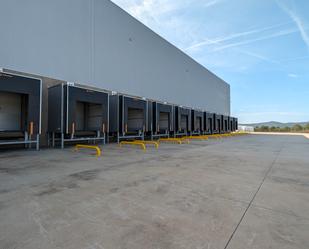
x,y
294,128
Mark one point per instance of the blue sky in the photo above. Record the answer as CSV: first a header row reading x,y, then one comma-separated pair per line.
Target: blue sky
x,y
260,47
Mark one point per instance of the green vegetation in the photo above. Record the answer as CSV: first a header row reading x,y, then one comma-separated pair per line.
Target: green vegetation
x,y
294,128
277,124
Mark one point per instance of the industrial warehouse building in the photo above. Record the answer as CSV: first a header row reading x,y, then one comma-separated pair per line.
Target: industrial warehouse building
x,y
101,48
86,73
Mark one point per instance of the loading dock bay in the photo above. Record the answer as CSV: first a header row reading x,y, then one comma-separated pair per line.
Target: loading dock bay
x,y
128,117
160,119
20,110
77,114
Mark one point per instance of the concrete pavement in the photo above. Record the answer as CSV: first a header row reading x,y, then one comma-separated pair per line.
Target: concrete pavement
x,y
237,193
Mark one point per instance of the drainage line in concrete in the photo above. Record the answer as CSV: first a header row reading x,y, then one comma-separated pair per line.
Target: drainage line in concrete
x,y
250,203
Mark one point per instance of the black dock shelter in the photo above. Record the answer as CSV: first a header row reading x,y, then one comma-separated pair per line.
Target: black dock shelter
x,y
229,124
160,119
234,124
208,123
20,110
182,121
197,122
217,124
128,117
225,124
77,113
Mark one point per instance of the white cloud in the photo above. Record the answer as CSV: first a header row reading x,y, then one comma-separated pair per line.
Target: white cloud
x,y
267,37
174,21
295,59
161,16
211,3
148,11
258,56
151,10
233,36
297,20
292,75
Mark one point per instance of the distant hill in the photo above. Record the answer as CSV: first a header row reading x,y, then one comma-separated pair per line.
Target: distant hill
x,y
276,124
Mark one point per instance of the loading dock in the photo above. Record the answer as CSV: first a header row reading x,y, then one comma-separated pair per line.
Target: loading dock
x,y
225,124
77,113
160,119
20,110
234,124
217,123
197,122
182,121
230,122
208,123
128,117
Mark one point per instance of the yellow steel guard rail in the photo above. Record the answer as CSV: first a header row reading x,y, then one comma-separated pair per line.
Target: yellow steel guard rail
x,y
83,146
216,136
239,133
226,135
201,137
138,143
185,140
172,140
156,144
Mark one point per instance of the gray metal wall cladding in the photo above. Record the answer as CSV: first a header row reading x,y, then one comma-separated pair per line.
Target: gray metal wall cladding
x,y
95,42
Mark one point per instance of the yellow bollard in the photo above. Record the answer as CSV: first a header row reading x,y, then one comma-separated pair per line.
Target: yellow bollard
x,y
138,143
201,137
83,146
215,136
156,144
172,140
